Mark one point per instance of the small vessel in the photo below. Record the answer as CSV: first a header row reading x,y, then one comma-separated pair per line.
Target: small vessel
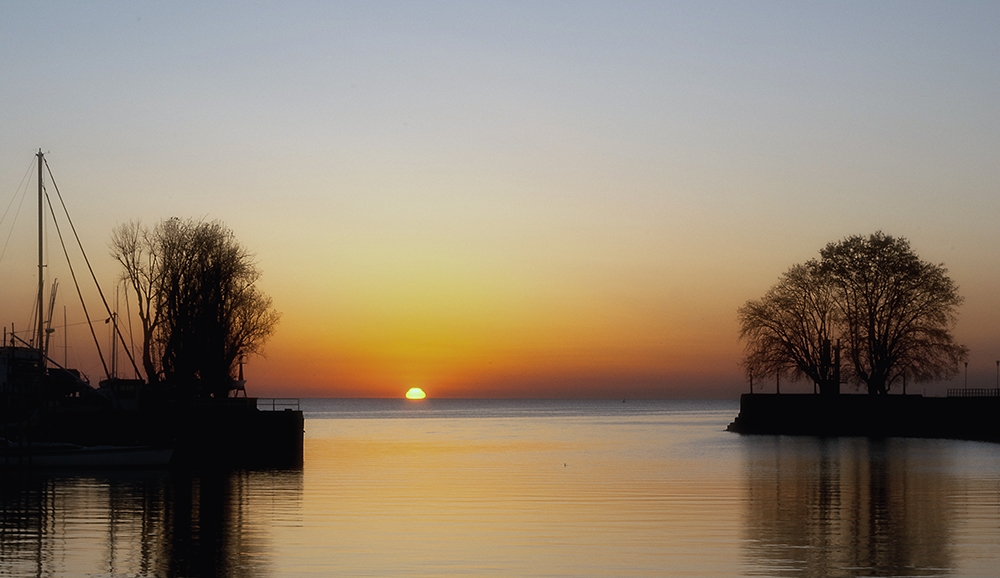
x,y
67,455
51,416
38,394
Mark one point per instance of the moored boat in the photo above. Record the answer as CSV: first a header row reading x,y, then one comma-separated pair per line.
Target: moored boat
x,y
67,455
54,417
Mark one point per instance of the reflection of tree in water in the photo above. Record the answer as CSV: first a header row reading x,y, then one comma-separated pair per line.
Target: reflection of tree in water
x,y
146,523
846,507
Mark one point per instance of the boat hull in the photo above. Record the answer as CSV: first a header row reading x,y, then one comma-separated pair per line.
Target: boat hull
x,y
74,456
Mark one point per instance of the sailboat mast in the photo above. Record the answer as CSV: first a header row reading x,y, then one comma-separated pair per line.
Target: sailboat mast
x,y
41,265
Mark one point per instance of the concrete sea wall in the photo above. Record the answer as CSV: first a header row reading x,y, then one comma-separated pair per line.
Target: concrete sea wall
x,y
969,418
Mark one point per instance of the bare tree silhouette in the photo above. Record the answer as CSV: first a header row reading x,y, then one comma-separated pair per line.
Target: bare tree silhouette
x,y
898,311
788,330
894,313
197,302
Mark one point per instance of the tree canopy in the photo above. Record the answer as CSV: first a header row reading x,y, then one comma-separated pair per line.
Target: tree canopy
x,y
197,302
788,330
892,312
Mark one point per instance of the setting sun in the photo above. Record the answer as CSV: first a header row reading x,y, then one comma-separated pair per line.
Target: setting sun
x,y
415,393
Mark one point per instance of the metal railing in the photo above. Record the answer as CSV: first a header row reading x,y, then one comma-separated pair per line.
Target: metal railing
x,y
974,392
277,403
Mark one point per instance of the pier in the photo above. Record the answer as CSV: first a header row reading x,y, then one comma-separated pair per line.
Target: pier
x,y
968,417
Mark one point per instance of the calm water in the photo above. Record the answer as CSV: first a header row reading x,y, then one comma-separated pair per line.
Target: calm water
x,y
501,488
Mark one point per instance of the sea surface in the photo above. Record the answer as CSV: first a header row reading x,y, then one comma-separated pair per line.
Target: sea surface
x,y
525,488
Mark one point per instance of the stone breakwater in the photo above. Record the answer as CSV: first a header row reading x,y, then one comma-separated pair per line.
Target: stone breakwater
x,y
969,418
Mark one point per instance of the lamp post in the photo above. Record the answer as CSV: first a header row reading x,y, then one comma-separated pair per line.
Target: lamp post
x,y
998,375
966,376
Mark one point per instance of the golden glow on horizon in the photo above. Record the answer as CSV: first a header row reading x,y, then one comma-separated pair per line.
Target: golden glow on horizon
x,y
415,393
554,353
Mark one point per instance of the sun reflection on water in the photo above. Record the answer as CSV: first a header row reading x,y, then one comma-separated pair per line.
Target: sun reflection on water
x,y
537,489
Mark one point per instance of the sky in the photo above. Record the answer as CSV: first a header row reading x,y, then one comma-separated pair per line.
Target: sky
x,y
514,199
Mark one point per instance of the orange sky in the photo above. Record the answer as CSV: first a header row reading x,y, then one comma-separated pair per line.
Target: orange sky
x,y
545,200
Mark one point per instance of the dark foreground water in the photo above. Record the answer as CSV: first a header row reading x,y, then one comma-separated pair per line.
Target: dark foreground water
x,y
502,488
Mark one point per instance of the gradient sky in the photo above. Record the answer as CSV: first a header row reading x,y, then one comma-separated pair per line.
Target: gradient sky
x,y
542,199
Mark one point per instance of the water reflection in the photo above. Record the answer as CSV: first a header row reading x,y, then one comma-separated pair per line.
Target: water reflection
x,y
847,507
147,523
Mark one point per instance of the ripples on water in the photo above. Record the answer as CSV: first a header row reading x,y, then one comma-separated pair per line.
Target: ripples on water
x,y
529,488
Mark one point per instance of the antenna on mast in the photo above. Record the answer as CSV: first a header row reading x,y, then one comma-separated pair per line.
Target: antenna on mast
x,y
41,265
48,320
